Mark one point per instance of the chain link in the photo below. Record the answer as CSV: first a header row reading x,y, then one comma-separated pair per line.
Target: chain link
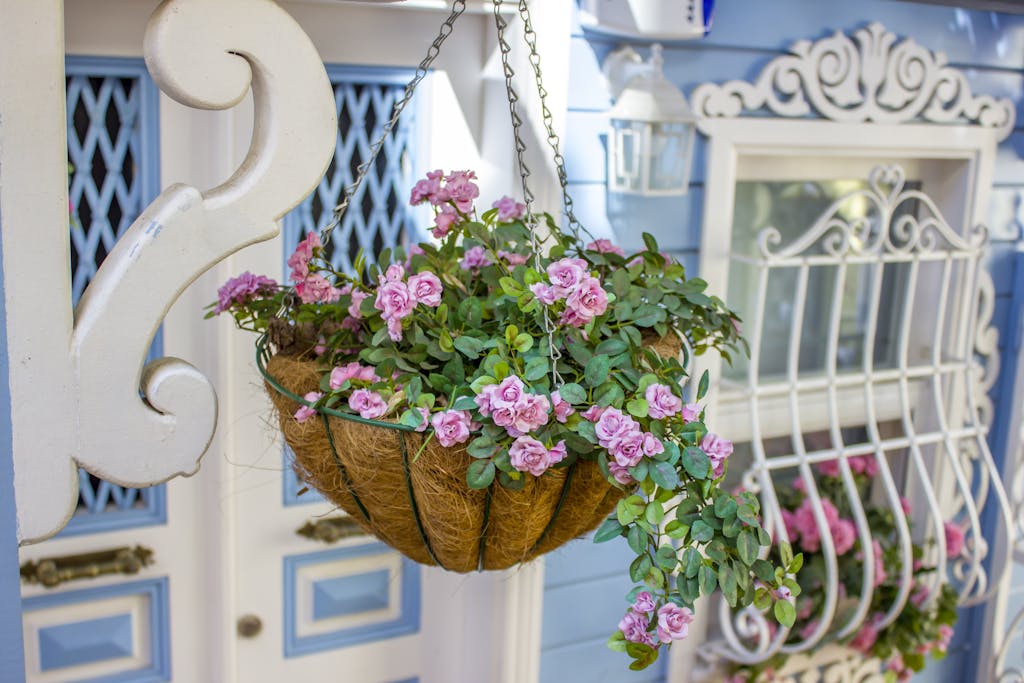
x,y
458,7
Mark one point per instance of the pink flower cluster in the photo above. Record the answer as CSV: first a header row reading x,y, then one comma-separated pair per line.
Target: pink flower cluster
x,y
604,246
718,450
510,406
801,524
243,289
954,539
452,427
509,209
622,437
474,259
396,298
352,371
867,635
369,404
312,288
859,464
673,621
530,455
451,195
306,412
570,280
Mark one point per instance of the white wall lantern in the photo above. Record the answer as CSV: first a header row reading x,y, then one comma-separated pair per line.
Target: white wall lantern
x,y
652,19
650,141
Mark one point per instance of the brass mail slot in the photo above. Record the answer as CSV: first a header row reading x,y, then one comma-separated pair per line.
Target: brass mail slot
x,y
53,571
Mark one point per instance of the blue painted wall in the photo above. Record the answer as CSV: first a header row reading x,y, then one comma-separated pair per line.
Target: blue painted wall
x,y
585,583
12,657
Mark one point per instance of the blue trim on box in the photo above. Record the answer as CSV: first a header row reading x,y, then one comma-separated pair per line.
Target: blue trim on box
x,y
159,624
345,595
85,642
12,649
407,622
153,511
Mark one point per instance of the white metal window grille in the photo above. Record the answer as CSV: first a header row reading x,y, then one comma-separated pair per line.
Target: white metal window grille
x,y
378,216
113,161
890,246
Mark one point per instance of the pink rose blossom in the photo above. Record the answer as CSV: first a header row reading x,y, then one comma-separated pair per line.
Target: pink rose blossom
x,y
394,273
394,326
444,220
509,209
628,448
425,415
566,274
865,639
690,412
864,464
306,412
358,297
451,427
342,373
461,190
299,260
243,289
316,289
661,402
544,294
634,627
321,345
593,413
531,413
588,300
425,288
427,189
529,455
829,468
512,258
475,258
954,540
880,574
563,409
394,300
810,535
509,392
718,450
844,535
612,424
620,474
485,398
652,445
604,246
369,404
644,603
557,453
673,622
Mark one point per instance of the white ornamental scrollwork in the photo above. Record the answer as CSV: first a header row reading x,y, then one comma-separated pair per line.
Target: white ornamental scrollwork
x,y
868,76
135,425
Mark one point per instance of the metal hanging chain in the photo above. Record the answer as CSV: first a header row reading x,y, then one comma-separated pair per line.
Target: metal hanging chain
x,y
530,37
458,7
524,174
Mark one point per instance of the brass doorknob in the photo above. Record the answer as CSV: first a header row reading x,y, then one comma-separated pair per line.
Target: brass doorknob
x,y
249,626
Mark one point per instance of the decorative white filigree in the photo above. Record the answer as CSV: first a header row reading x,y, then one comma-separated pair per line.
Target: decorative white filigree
x,y
867,77
135,425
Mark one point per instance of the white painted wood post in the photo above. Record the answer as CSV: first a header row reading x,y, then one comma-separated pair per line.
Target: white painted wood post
x,y
76,380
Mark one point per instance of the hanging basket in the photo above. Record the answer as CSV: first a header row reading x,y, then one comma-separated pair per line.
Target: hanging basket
x,y
415,498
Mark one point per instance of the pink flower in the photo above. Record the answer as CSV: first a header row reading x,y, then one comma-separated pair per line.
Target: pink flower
x,y
321,345
792,527
544,294
588,300
620,474
531,413
512,259
557,453
461,190
426,190
673,622
566,274
652,445
691,412
864,464
316,289
661,402
394,300
509,209
865,639
920,597
243,289
628,448
844,535
425,415
829,468
485,398
451,427
341,374
613,424
718,450
358,297
954,540
306,412
905,504
369,404
299,260
880,574
394,326
563,409
509,392
593,413
634,627
529,455
810,535
425,288
945,637
644,603
444,220
605,247
394,273
475,258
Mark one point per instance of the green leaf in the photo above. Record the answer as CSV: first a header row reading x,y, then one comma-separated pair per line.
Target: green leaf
x,y
640,568
535,369
747,546
523,343
470,347
702,388
511,332
596,371
785,613
663,474
727,580
617,642
654,513
637,540
763,570
666,558
481,447
511,286
696,462
573,393
707,579
796,565
691,562
701,531
747,515
611,347
411,418
608,530
725,506
609,393
464,403
785,553
480,474
637,407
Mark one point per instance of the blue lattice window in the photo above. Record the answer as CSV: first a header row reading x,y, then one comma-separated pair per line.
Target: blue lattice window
x,y
113,162
378,216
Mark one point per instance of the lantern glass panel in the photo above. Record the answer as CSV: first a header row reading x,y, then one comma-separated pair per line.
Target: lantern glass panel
x,y
669,157
625,167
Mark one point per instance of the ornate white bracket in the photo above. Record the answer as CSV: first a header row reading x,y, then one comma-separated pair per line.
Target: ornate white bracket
x,y
868,76
80,393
